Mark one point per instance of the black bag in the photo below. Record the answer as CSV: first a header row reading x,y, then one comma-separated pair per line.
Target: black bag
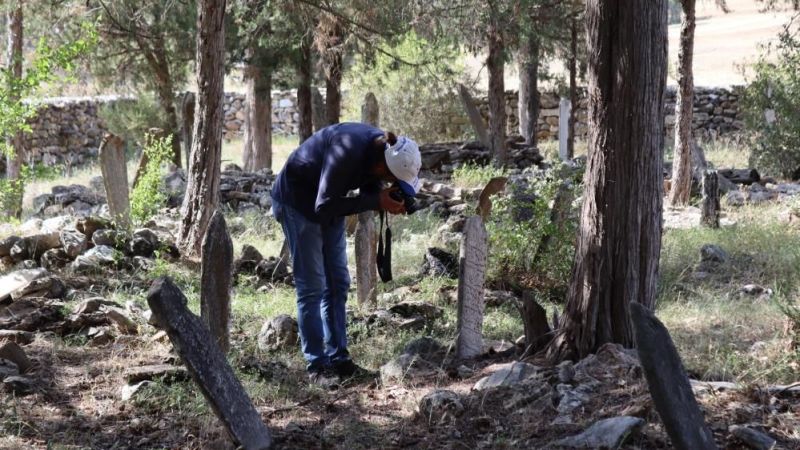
x,y
384,258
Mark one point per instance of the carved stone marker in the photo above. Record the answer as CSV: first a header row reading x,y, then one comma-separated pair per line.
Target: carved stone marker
x,y
471,275
710,211
216,279
115,178
207,366
366,234
564,111
475,118
669,385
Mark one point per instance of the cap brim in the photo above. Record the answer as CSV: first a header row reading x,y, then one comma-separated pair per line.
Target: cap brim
x,y
407,188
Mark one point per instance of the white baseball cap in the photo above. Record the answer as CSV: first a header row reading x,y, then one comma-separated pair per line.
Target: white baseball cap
x,y
404,161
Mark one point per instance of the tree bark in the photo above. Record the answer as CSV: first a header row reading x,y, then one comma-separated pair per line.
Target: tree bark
x,y
257,153
497,102
187,124
682,161
573,87
157,59
529,91
475,118
619,237
304,69
16,156
202,190
333,72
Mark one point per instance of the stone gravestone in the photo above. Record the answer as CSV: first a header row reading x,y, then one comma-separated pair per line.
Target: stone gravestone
x,y
115,178
207,366
669,385
471,274
564,110
216,279
710,211
366,235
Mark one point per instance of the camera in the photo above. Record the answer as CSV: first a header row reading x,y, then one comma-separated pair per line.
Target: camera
x,y
408,200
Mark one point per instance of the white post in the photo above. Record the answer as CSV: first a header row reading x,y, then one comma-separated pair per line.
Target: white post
x,y
564,109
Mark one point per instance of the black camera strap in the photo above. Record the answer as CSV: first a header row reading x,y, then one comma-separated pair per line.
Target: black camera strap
x,y
384,259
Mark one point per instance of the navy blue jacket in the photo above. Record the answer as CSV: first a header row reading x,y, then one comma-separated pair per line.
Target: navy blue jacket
x,y
333,161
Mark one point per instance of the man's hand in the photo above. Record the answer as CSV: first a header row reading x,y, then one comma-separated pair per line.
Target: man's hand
x,y
387,203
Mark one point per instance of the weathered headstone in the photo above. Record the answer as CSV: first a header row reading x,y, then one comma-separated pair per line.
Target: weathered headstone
x,y
471,275
564,111
115,178
475,118
710,211
669,385
366,234
216,280
207,366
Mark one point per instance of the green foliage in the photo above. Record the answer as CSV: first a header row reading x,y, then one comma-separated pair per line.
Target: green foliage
x,y
131,119
772,106
410,95
475,175
149,195
519,222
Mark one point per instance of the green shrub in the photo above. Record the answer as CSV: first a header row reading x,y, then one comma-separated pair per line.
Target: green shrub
x,y
516,229
149,194
772,106
411,97
132,119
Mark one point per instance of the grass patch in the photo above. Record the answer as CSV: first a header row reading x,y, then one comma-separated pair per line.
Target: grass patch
x,y
475,175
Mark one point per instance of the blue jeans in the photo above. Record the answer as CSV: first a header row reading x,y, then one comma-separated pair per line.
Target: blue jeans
x,y
319,264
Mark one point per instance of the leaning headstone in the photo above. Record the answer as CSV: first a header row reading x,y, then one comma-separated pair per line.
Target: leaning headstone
x,y
207,366
115,178
366,235
710,211
564,110
669,385
475,118
606,433
471,275
216,279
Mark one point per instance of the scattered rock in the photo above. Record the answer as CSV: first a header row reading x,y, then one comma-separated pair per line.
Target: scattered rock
x,y
88,225
16,336
734,198
533,392
417,309
111,238
440,406
566,372
440,263
95,259
463,372
100,337
272,269
54,259
33,247
143,243
714,254
406,367
248,261
6,245
498,298
49,286
164,372
94,304
756,290
7,369
604,434
28,315
278,333
19,385
508,375
753,438
10,351
123,323
73,242
570,399
19,280
130,390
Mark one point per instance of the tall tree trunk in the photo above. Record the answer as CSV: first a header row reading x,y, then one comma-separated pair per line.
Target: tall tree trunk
x,y
573,87
682,160
16,156
333,89
202,190
304,69
619,238
529,90
257,152
497,98
157,58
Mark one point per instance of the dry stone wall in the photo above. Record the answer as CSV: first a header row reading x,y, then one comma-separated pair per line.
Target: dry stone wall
x,y
69,130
